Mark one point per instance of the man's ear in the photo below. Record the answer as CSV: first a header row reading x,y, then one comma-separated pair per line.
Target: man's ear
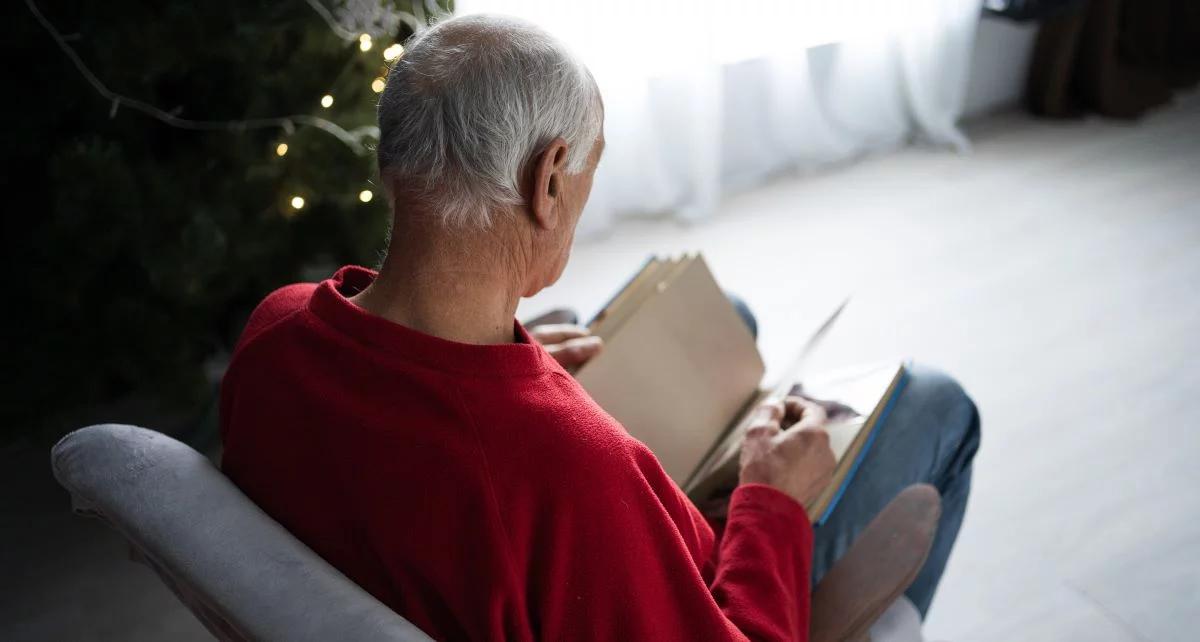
x,y
549,172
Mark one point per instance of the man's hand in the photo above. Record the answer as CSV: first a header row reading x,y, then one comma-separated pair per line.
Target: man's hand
x,y
570,345
786,447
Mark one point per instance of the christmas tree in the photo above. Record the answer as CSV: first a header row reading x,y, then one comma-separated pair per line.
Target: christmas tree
x,y
182,159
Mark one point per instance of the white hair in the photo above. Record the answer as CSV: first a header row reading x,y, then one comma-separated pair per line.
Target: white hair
x,y
470,103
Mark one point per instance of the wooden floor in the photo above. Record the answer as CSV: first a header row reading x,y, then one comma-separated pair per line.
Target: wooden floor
x,y
1055,271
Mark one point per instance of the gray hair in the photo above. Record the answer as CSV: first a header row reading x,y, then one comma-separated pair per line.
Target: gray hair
x,y
470,103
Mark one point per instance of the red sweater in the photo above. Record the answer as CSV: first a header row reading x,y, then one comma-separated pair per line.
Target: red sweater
x,y
479,492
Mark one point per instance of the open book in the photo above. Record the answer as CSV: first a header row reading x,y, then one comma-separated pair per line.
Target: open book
x,y
681,372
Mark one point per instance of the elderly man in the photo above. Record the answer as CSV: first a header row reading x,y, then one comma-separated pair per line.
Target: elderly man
x,y
406,428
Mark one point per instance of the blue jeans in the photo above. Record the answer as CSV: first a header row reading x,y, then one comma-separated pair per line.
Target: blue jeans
x,y
930,436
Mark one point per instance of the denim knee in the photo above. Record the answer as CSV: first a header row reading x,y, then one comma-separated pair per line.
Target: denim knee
x,y
958,422
744,312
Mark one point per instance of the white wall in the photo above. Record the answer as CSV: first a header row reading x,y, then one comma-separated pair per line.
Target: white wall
x,y
998,65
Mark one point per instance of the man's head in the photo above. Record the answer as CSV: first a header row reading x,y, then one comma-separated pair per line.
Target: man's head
x,y
488,122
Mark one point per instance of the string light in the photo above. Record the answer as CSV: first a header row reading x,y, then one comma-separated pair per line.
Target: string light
x,y
352,139
393,52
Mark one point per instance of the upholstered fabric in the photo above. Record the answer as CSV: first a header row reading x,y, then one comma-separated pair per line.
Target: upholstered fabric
x,y
241,573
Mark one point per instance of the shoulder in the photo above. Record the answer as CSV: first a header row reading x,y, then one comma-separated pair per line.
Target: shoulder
x,y
269,319
276,307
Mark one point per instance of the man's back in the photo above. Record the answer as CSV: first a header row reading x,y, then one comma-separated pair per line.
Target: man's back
x,y
475,489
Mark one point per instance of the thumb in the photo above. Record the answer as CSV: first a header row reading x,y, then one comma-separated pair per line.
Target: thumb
x,y
573,353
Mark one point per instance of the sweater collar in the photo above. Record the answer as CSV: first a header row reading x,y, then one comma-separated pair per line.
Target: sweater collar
x,y
331,304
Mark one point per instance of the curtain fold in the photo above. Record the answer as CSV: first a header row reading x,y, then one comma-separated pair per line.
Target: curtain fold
x,y
704,98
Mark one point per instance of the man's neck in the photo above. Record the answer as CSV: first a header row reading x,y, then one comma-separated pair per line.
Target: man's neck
x,y
460,287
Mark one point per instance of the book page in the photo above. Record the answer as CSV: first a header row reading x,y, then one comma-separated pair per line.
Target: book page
x,y
602,324
717,462
679,368
852,398
855,399
645,288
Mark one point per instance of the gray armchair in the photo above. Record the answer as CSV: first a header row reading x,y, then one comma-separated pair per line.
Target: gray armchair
x,y
240,572
246,578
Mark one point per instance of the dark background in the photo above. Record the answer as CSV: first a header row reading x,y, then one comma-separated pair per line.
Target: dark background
x,y
140,247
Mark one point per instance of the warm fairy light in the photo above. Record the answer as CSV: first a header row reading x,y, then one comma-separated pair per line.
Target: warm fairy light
x,y
393,52
366,196
327,101
378,84
297,202
364,42
281,149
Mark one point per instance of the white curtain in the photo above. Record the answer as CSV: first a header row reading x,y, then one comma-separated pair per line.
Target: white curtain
x,y
705,97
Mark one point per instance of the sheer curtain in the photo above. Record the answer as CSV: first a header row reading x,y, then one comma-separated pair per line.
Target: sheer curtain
x,y
705,97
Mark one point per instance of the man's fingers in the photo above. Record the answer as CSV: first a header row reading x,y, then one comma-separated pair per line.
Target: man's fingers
x,y
763,431
770,411
758,440
572,353
794,405
814,440
570,345
558,333
802,413
763,425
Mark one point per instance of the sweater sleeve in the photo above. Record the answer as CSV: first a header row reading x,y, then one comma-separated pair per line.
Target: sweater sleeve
x,y
762,580
631,572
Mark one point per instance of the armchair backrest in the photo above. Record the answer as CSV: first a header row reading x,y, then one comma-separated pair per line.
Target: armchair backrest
x,y
242,574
